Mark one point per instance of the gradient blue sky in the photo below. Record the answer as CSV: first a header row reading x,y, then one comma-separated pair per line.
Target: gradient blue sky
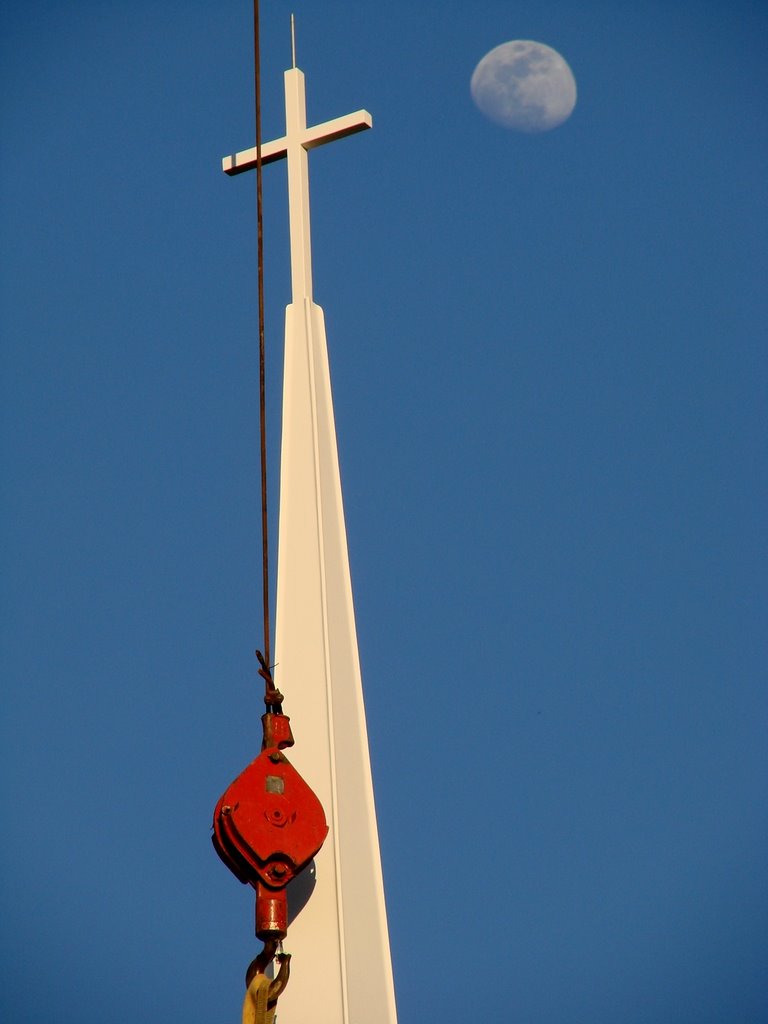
x,y
549,365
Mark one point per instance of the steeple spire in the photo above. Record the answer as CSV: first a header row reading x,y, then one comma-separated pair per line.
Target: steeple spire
x,y
337,926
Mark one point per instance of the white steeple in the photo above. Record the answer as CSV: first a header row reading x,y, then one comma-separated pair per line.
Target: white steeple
x,y
342,972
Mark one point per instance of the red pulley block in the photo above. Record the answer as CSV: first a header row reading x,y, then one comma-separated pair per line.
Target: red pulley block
x,y
269,825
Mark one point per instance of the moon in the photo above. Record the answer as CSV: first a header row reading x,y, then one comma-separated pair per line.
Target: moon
x,y
525,86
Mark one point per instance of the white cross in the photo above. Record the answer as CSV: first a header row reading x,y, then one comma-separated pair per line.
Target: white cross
x,y
298,139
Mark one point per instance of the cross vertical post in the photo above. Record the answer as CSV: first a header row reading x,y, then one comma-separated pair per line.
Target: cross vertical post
x,y
298,185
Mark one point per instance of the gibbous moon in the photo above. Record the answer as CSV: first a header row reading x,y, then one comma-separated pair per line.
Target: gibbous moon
x,y
525,86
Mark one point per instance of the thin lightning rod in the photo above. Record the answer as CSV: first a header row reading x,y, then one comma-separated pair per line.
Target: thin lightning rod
x,y
293,40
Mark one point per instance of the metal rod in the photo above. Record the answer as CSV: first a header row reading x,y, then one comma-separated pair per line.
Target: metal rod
x,y
262,387
293,40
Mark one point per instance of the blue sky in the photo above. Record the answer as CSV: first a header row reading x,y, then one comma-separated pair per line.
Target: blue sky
x,y
549,367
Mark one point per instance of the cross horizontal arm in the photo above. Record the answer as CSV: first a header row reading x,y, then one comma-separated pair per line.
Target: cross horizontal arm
x,y
246,160
329,131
